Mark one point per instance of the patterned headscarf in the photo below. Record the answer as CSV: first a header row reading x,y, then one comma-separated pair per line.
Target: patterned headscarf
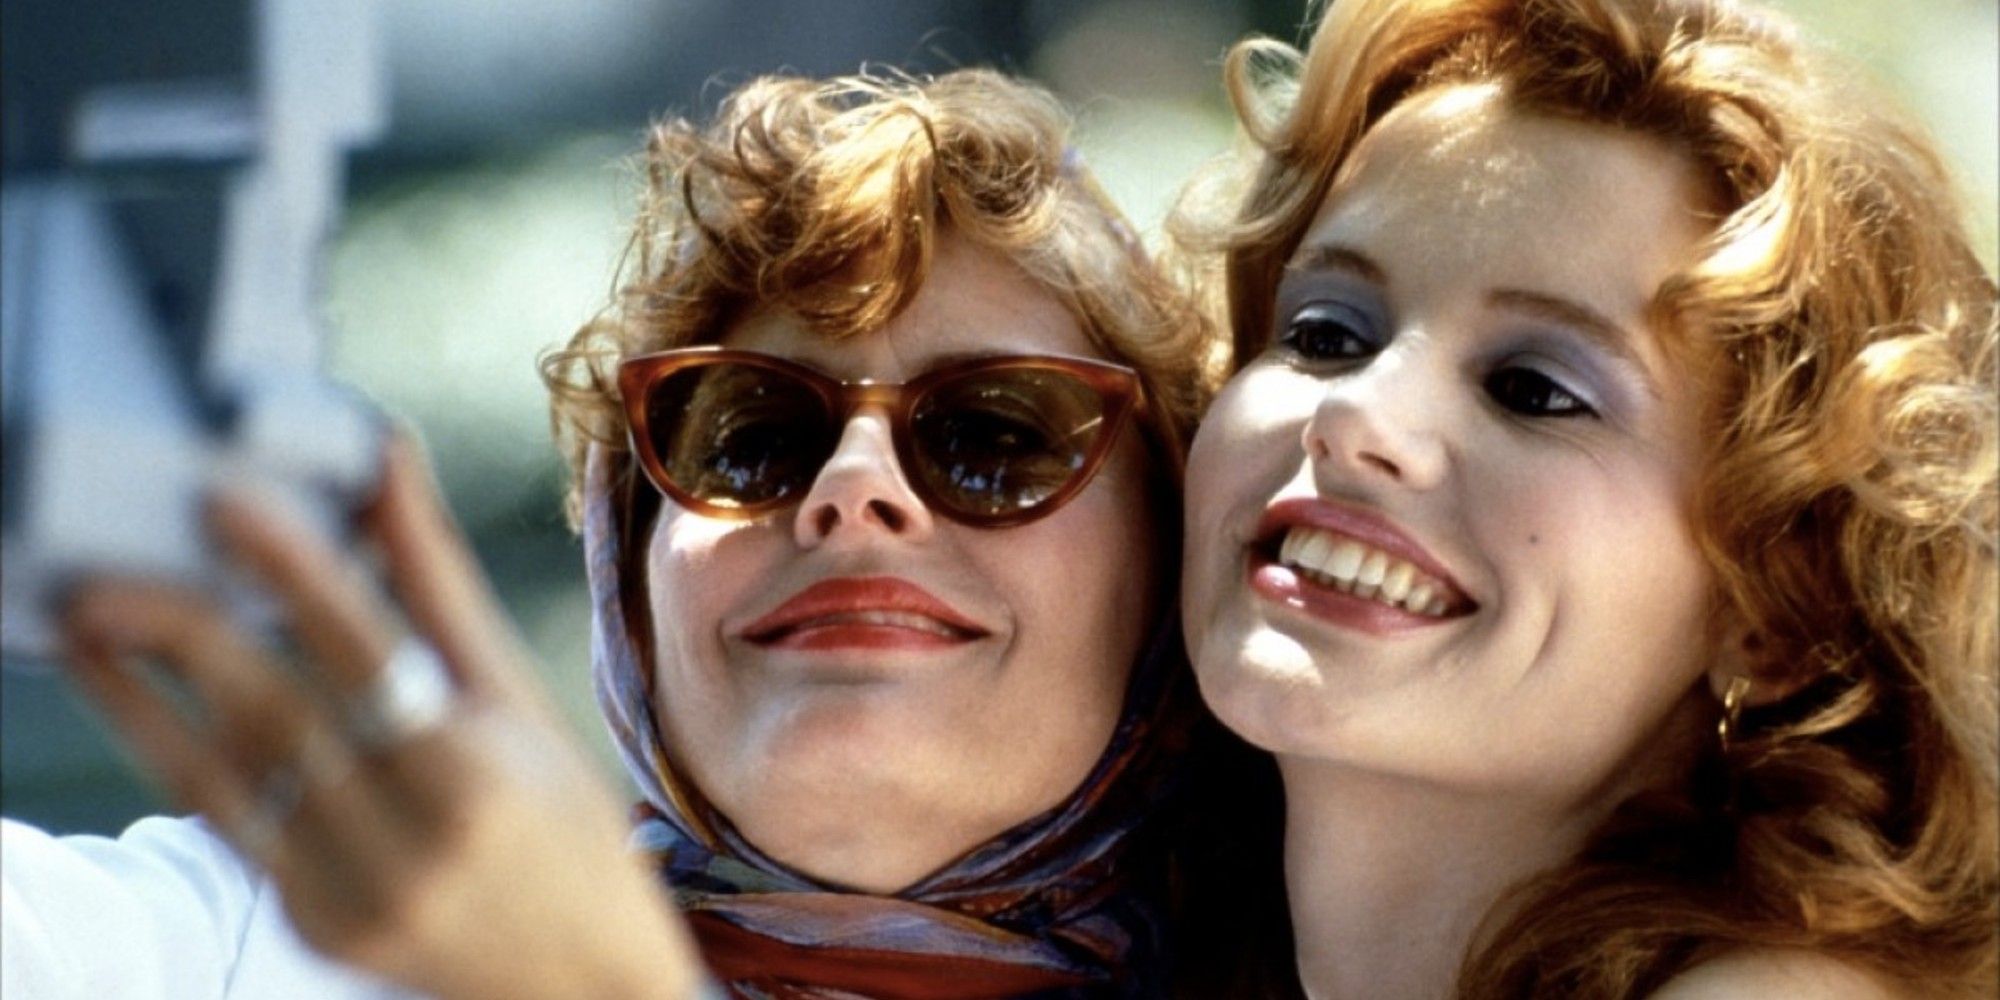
x,y
1065,905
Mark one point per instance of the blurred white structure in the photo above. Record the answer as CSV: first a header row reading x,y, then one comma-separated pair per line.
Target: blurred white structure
x,y
120,412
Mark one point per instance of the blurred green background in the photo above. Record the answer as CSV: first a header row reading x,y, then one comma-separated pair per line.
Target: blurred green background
x,y
485,227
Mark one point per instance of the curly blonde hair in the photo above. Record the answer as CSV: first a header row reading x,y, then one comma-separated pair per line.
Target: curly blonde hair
x,y
1848,500
827,198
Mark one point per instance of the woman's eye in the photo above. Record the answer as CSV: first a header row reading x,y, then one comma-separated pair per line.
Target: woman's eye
x,y
1328,333
1532,394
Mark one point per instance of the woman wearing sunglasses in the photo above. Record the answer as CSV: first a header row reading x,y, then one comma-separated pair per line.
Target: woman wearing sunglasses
x,y
1600,525
876,458
878,471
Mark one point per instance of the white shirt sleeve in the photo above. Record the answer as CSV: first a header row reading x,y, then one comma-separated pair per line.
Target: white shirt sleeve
x,y
167,911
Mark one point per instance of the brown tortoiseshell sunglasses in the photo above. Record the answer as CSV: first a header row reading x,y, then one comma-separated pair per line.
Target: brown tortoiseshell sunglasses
x,y
990,442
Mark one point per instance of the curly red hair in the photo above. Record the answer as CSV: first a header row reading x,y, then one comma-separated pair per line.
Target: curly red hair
x,y
1848,506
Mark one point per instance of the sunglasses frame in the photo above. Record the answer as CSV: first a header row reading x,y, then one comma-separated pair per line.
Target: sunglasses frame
x,y
1118,386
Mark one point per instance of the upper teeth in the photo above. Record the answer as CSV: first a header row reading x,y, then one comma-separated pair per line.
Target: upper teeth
x,y
1352,567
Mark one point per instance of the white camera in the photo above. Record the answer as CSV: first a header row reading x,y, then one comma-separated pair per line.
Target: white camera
x,y
158,321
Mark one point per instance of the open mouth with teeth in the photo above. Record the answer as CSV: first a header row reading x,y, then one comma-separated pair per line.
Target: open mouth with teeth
x,y
1319,561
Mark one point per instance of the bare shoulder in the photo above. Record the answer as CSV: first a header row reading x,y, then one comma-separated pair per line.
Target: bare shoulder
x,y
1751,973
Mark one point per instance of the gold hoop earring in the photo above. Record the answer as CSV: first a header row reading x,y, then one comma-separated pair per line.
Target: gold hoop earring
x,y
1732,708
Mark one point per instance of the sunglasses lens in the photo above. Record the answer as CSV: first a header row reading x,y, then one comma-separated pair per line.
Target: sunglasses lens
x,y
738,435
998,442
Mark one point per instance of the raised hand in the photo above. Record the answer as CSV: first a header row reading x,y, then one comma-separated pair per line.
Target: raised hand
x,y
398,774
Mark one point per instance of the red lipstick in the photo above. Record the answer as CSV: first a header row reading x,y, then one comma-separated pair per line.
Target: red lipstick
x,y
872,612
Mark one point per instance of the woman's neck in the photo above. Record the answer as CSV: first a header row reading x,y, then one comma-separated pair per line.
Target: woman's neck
x,y
1390,878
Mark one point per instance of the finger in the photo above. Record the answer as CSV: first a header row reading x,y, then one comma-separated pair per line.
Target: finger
x,y
338,618
195,775
339,829
256,713
342,623
265,740
439,581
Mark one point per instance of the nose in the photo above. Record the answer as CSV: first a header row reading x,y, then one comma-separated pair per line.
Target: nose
x,y
1381,426
861,491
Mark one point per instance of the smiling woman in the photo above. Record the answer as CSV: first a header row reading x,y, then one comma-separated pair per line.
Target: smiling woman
x,y
865,684
1600,524
1421,349
877,460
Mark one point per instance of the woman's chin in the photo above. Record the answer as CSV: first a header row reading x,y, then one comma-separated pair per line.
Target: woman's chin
x,y
1262,684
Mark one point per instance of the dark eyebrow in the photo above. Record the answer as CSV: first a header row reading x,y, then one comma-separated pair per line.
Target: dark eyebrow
x,y
1333,257
1576,316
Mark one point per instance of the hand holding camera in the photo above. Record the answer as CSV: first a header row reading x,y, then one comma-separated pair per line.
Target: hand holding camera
x,y
398,777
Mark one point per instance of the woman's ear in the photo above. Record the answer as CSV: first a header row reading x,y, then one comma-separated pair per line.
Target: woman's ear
x,y
1740,652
